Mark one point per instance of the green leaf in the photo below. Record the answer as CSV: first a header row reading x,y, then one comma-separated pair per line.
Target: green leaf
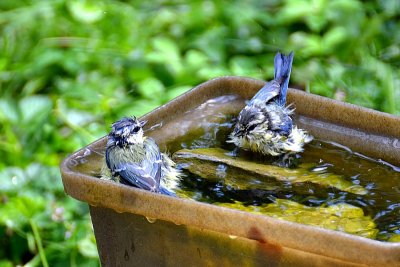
x,y
12,178
167,52
33,86
78,117
6,263
316,22
8,111
334,37
88,248
243,66
35,107
196,59
293,11
86,11
139,107
167,46
18,211
308,44
151,88
3,63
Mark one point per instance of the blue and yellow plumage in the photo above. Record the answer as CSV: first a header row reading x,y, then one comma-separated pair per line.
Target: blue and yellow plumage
x,y
134,159
265,124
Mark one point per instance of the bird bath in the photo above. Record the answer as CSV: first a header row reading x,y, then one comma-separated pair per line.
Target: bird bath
x,y
134,226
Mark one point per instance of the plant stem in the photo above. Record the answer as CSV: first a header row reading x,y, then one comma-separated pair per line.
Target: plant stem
x,y
39,243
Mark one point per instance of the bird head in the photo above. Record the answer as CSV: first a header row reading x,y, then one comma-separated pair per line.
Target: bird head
x,y
127,131
250,120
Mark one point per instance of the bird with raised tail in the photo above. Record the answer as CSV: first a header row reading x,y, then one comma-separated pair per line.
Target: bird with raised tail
x,y
265,124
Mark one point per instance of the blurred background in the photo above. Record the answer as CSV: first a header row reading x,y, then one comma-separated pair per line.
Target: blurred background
x,y
68,69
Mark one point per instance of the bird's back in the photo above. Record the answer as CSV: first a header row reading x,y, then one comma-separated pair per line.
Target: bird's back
x,y
279,119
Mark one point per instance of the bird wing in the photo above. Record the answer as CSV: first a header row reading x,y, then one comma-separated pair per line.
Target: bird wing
x,y
154,160
267,92
145,174
280,123
138,175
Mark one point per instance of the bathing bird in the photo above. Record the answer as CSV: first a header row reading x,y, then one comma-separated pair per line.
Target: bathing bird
x,y
134,159
265,124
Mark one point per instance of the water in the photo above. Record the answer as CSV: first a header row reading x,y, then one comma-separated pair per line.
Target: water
x,y
374,213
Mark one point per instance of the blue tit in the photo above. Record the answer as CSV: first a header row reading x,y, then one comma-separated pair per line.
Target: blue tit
x,y
134,159
265,125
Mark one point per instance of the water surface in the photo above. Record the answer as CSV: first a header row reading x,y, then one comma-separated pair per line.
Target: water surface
x,y
375,214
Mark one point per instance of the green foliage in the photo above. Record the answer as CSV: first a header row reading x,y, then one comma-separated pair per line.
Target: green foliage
x,y
70,68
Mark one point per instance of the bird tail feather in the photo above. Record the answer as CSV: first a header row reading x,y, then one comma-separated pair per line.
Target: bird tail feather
x,y
283,67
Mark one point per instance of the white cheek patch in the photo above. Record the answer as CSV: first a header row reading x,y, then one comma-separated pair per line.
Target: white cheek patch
x,y
131,139
136,138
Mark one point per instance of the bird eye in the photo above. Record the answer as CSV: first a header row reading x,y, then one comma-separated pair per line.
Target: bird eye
x,y
136,129
251,127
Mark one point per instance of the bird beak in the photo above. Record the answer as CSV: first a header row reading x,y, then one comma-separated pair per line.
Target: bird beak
x,y
143,123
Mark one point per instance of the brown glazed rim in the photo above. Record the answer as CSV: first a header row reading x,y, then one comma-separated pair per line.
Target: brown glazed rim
x,y
264,229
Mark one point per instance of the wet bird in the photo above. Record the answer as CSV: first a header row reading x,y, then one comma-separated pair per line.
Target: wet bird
x,y
134,159
265,124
